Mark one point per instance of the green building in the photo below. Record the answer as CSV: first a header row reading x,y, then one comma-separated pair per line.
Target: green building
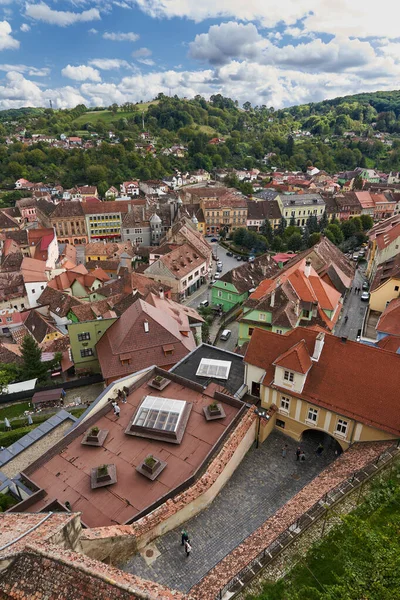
x,y
235,286
84,337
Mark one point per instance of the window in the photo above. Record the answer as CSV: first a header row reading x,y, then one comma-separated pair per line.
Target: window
x,y
288,376
9,319
251,329
213,368
312,415
341,427
87,352
263,317
285,403
396,288
229,296
138,230
280,331
160,417
280,423
219,294
306,314
83,336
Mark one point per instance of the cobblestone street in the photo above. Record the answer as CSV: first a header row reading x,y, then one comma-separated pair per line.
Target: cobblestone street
x,y
263,482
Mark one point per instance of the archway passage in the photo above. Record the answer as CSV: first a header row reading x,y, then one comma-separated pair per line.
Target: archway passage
x,y
317,437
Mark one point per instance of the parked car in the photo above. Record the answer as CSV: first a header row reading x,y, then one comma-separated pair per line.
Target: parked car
x,y
204,304
251,258
217,276
355,256
229,253
214,240
219,268
238,257
365,296
225,335
365,286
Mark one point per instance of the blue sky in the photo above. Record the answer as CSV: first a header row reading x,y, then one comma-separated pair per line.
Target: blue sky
x,y
274,53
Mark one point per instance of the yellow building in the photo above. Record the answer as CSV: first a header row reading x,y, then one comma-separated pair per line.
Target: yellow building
x,y
300,207
321,386
227,212
386,284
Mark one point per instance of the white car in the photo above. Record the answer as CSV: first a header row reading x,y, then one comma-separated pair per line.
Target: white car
x,y
217,275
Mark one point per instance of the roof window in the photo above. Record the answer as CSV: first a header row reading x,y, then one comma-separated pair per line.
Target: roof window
x,y
214,368
160,419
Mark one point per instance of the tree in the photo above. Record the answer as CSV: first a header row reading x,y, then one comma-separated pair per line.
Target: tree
x,y
32,360
314,239
358,183
239,236
366,222
295,241
348,228
312,224
8,373
334,234
281,227
323,222
266,230
306,237
292,222
114,108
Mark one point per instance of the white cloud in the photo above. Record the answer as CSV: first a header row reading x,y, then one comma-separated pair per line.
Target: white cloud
x,y
93,31
225,41
149,62
120,37
109,64
142,53
33,71
81,73
342,17
7,42
25,27
43,12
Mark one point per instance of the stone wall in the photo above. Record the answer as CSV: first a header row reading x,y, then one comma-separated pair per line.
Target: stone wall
x,y
115,543
28,456
46,572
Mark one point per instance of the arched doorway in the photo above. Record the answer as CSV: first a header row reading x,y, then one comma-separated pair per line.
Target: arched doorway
x,y
315,437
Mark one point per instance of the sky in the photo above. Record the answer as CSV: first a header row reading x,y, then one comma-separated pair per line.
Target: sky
x,y
277,53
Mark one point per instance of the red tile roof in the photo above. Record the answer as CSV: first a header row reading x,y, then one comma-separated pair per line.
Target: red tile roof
x,y
389,321
346,379
296,358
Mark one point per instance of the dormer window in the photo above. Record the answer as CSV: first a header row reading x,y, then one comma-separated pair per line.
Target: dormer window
x,y
288,376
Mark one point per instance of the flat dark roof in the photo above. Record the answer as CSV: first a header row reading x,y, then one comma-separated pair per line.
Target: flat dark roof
x,y
188,366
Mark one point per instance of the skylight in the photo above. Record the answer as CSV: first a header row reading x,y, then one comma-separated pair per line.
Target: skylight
x,y
214,368
160,418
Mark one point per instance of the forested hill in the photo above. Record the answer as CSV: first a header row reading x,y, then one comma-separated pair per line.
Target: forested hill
x,y
338,134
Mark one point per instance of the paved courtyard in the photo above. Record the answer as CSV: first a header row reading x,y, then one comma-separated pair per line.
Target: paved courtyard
x,y
263,482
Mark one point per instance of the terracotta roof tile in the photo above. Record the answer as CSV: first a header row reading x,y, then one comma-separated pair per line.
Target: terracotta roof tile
x,y
296,358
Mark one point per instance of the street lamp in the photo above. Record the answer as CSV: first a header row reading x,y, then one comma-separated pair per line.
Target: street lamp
x,y
261,414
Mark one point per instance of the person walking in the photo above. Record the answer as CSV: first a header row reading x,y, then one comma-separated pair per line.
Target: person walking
x,y
302,456
346,318
30,421
185,537
320,450
7,424
298,452
117,410
284,451
188,548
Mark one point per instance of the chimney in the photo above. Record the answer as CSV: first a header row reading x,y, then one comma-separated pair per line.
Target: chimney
x,y
272,299
343,339
307,268
146,326
161,292
319,344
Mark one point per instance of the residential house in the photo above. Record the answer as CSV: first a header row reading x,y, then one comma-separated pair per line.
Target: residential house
x,y
384,243
43,245
154,186
185,231
88,191
385,286
102,251
112,193
184,270
234,287
389,322
129,188
194,195
27,208
300,207
104,220
369,175
348,205
68,219
260,211
144,335
394,177
44,210
12,292
228,212
40,327
366,202
59,304
35,276
10,318
313,384
296,296
173,182
136,227
332,210
83,339
196,215
23,184
8,223
384,207
78,282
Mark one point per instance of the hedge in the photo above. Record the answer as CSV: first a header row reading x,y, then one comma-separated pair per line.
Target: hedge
x,y
10,437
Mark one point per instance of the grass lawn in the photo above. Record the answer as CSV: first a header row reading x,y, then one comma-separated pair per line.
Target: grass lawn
x,y
14,410
357,560
107,116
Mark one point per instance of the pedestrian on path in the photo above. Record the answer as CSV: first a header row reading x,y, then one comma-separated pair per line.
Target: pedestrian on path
x,y
30,421
7,424
346,318
185,537
117,410
302,456
284,451
298,452
320,450
188,548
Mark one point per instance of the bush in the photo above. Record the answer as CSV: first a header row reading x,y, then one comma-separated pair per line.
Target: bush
x,y
10,437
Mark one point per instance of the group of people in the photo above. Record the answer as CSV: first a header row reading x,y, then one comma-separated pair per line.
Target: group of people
x,y
186,542
122,396
357,290
300,454
116,408
7,423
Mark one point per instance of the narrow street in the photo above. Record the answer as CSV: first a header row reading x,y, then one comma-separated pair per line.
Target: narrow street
x,y
354,308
